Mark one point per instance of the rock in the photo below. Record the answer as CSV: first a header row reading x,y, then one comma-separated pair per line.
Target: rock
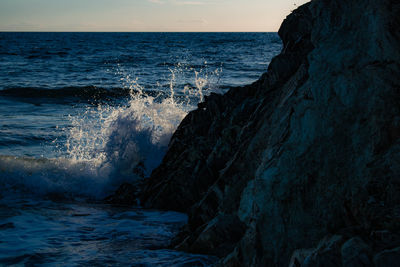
x,y
388,258
126,194
333,251
217,237
299,256
326,254
308,150
384,239
355,252
232,260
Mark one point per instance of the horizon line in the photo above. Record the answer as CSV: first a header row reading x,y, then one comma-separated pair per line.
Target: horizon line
x,y
11,31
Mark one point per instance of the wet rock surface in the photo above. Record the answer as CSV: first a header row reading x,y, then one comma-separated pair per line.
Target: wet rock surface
x,y
126,195
389,257
301,167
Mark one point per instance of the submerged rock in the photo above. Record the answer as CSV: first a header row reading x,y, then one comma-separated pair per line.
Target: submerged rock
x,y
309,150
126,194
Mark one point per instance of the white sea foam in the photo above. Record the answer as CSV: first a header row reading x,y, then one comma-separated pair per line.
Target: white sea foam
x,y
107,144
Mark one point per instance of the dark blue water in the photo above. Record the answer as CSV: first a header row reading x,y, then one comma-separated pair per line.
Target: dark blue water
x,y
80,111
46,73
58,60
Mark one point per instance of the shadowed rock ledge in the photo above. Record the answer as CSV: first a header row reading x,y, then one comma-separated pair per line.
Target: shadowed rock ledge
x,y
303,166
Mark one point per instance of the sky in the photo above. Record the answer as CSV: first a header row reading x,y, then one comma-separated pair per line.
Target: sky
x,y
145,15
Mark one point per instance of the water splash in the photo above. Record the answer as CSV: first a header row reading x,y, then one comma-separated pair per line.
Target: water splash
x,y
107,145
129,140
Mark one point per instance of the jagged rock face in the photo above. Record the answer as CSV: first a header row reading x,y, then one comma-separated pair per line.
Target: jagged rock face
x,y
311,148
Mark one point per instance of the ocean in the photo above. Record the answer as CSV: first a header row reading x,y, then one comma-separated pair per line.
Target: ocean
x,y
80,111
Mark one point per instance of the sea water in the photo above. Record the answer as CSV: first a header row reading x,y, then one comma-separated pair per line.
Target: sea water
x,y
80,111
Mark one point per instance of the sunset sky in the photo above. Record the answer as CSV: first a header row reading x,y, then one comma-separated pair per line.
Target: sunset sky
x,y
144,15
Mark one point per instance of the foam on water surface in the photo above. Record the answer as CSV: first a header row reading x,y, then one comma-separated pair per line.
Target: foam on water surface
x,y
106,144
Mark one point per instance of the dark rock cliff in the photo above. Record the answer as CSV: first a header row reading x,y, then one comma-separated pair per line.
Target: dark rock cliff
x,y
303,166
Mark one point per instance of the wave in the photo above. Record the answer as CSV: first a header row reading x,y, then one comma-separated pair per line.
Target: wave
x,y
126,58
125,148
87,92
186,66
105,145
66,178
92,93
39,54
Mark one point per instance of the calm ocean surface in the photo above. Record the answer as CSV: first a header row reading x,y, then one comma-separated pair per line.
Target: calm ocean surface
x,y
79,111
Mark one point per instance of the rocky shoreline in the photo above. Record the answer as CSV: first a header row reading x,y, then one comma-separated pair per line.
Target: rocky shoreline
x,y
301,167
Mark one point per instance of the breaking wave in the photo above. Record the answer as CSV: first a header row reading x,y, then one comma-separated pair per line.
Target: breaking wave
x,y
109,144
